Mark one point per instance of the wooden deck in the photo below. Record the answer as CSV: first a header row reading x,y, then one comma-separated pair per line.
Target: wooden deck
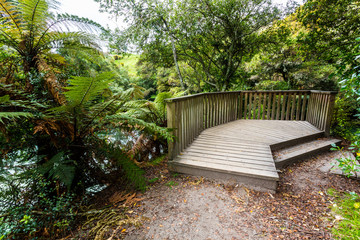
x,y
240,151
230,135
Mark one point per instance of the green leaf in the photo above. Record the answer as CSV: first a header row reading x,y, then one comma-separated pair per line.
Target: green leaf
x,y
85,89
13,115
60,168
4,99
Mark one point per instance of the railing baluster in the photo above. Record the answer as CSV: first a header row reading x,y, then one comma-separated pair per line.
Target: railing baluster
x,y
288,106
268,110
259,105
264,97
246,105
273,107
283,106
298,104
250,106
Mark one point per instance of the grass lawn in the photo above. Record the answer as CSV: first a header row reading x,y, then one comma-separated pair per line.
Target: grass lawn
x,y
129,62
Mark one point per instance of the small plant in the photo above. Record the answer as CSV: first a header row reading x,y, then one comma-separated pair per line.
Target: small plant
x,y
158,160
171,184
350,166
346,209
153,180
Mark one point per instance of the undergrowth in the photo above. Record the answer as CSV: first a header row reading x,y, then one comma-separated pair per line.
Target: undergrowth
x,y
346,209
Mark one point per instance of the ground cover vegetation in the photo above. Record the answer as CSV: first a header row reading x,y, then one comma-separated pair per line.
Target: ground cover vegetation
x,y
75,120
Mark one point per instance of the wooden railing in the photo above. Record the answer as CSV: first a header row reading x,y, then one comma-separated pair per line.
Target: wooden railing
x,y
188,116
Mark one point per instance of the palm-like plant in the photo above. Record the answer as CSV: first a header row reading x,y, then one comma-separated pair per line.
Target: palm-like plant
x,y
32,31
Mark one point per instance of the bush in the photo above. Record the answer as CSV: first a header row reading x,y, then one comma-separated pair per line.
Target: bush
x,y
46,215
272,85
345,122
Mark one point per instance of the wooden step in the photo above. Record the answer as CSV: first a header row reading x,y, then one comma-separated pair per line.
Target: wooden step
x,y
297,140
299,152
241,151
262,179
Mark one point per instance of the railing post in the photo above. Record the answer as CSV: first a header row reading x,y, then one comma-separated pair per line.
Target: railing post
x,y
171,123
329,114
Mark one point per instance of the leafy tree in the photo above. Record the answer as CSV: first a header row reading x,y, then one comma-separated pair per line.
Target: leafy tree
x,y
148,20
331,28
282,59
347,108
214,38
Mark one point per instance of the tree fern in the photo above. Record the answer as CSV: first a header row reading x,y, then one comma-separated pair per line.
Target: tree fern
x,y
132,172
59,167
126,121
160,102
85,89
29,28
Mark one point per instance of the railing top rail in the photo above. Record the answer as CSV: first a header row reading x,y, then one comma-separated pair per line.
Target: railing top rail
x,y
177,99
324,92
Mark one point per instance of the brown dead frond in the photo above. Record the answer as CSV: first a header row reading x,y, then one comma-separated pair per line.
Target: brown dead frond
x,y
54,129
128,199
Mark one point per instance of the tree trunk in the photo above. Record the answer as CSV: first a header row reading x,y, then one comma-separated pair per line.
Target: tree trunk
x,y
176,63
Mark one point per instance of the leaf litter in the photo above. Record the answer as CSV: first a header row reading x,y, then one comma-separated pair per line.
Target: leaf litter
x,y
199,208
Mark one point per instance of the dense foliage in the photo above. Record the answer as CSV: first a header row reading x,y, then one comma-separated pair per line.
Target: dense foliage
x,y
63,134
75,120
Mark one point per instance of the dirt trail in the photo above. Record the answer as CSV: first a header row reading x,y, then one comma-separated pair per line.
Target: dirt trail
x,y
189,211
183,207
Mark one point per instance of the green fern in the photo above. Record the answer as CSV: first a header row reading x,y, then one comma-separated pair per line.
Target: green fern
x,y
14,115
85,89
59,167
124,120
160,101
133,173
24,106
32,30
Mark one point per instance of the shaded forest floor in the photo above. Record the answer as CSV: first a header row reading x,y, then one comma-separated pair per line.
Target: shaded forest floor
x,y
183,207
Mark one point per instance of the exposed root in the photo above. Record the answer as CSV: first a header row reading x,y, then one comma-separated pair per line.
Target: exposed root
x,y
109,222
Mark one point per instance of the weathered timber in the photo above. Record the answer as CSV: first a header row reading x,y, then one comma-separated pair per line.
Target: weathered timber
x,y
216,118
242,149
190,115
303,151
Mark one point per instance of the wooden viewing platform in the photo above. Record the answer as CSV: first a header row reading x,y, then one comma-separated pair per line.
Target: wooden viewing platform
x,y
231,135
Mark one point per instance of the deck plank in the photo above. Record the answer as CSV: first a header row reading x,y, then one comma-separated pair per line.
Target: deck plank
x,y
231,169
241,148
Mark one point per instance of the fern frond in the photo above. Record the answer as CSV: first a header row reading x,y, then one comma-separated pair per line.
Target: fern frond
x,y
132,172
34,12
84,89
10,15
126,121
68,40
13,97
160,102
14,115
60,168
69,21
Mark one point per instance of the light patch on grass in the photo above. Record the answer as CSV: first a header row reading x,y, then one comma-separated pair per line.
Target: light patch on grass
x,y
129,62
